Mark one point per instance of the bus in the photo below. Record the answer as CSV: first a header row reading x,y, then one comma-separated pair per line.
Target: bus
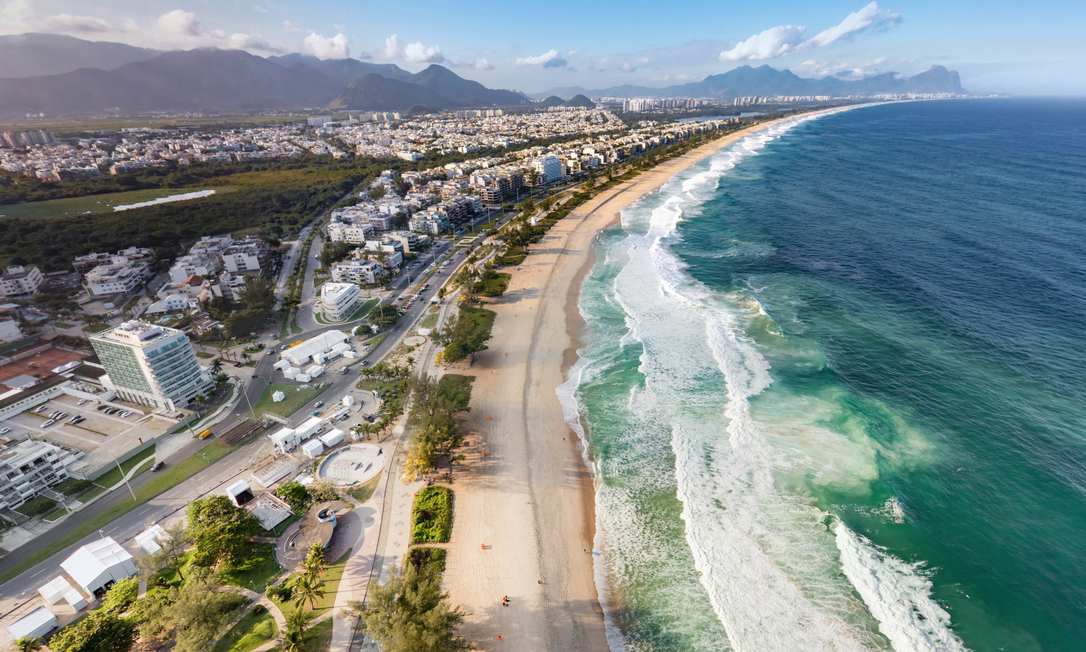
x,y
205,434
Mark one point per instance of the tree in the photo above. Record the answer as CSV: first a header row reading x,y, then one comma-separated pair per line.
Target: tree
x,y
314,561
259,293
295,495
299,620
219,307
194,613
308,589
99,631
220,529
216,366
376,192
411,614
384,315
399,220
200,399
121,595
294,640
27,644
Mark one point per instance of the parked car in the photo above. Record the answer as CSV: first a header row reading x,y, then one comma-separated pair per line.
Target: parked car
x,y
48,423
62,415
41,408
81,401
4,431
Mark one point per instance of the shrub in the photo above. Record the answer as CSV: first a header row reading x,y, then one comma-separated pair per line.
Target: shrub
x,y
434,558
432,518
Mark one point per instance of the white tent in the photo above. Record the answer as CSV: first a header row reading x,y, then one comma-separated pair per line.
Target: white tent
x,y
99,563
313,448
332,437
278,396
285,438
36,624
54,591
314,371
322,343
348,400
149,538
309,427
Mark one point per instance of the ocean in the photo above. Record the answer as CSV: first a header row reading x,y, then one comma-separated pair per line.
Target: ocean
x,y
833,385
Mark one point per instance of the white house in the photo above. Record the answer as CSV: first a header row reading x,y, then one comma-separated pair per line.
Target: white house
x,y
99,564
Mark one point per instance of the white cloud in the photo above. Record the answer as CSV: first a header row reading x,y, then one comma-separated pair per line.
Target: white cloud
x,y
291,27
868,18
412,52
179,23
773,42
246,42
482,64
787,39
541,59
629,67
327,48
69,24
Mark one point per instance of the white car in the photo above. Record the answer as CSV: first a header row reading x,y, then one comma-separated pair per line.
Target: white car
x,y
48,423
81,401
4,431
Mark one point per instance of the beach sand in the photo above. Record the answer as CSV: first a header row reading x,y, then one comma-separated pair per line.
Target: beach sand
x,y
524,511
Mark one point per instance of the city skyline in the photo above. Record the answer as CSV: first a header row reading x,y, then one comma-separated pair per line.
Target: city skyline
x,y
996,48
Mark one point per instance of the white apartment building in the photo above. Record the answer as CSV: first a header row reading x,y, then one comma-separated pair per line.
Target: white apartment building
x,y
9,328
246,257
359,272
26,469
340,300
353,233
195,265
20,281
150,365
434,222
549,168
119,276
84,264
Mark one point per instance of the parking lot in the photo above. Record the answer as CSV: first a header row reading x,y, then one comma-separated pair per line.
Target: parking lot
x,y
100,436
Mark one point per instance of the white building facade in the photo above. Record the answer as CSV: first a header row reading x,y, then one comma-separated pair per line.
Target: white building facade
x,y
20,281
340,300
27,469
150,365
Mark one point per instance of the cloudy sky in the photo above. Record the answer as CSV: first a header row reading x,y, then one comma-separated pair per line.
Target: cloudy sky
x,y
1034,48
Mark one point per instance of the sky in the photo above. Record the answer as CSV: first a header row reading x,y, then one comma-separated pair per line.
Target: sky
x,y
1036,48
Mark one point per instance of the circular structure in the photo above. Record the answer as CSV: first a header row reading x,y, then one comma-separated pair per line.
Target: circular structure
x,y
414,340
355,464
316,527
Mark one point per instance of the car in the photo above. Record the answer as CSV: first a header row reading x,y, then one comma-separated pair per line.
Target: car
x,y
75,419
275,336
315,413
318,404
125,415
158,466
101,407
4,431
270,352
343,371
40,409
81,401
62,415
238,365
48,423
53,414
365,363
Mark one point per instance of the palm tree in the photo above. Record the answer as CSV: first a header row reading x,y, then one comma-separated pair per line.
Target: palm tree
x,y
27,644
308,588
298,620
314,561
200,400
293,640
216,367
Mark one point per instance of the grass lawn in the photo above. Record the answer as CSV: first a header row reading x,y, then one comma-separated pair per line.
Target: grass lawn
x,y
36,506
55,516
320,638
365,492
62,324
252,631
104,203
430,321
331,577
92,495
216,450
96,328
295,400
205,355
283,332
374,341
72,486
294,327
364,309
113,476
494,287
258,571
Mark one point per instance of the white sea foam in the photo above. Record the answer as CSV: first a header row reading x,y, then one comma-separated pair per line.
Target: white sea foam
x,y
771,568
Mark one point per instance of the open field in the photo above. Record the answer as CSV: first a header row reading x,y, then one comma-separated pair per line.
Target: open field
x,y
92,204
296,399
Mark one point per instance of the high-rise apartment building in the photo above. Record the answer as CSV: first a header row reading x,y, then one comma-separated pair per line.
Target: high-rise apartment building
x,y
150,365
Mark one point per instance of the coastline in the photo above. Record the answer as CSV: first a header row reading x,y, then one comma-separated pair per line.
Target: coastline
x,y
503,538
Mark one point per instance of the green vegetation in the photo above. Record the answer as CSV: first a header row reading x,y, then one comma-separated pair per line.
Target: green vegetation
x,y
256,570
94,493
469,335
434,558
296,399
96,328
89,204
364,492
36,506
317,638
430,321
192,614
432,516
411,613
216,450
363,310
513,256
113,476
434,407
204,355
384,315
98,631
220,529
491,283
252,631
333,573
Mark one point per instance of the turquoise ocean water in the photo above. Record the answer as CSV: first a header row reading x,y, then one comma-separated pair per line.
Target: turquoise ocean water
x,y
833,380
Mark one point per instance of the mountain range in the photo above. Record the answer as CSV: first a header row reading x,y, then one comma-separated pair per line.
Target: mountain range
x,y
577,101
37,75
746,81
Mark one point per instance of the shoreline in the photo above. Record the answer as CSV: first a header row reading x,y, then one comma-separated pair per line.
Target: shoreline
x,y
521,448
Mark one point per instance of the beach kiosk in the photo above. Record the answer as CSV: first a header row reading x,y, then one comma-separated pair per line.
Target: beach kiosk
x,y
97,565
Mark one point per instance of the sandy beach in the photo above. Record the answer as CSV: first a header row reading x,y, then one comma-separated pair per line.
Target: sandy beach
x,y
524,508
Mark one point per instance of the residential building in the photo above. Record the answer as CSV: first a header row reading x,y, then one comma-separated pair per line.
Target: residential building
x,y
195,265
84,264
340,300
549,169
359,272
249,256
117,277
411,241
28,468
9,328
150,365
352,233
20,281
434,222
